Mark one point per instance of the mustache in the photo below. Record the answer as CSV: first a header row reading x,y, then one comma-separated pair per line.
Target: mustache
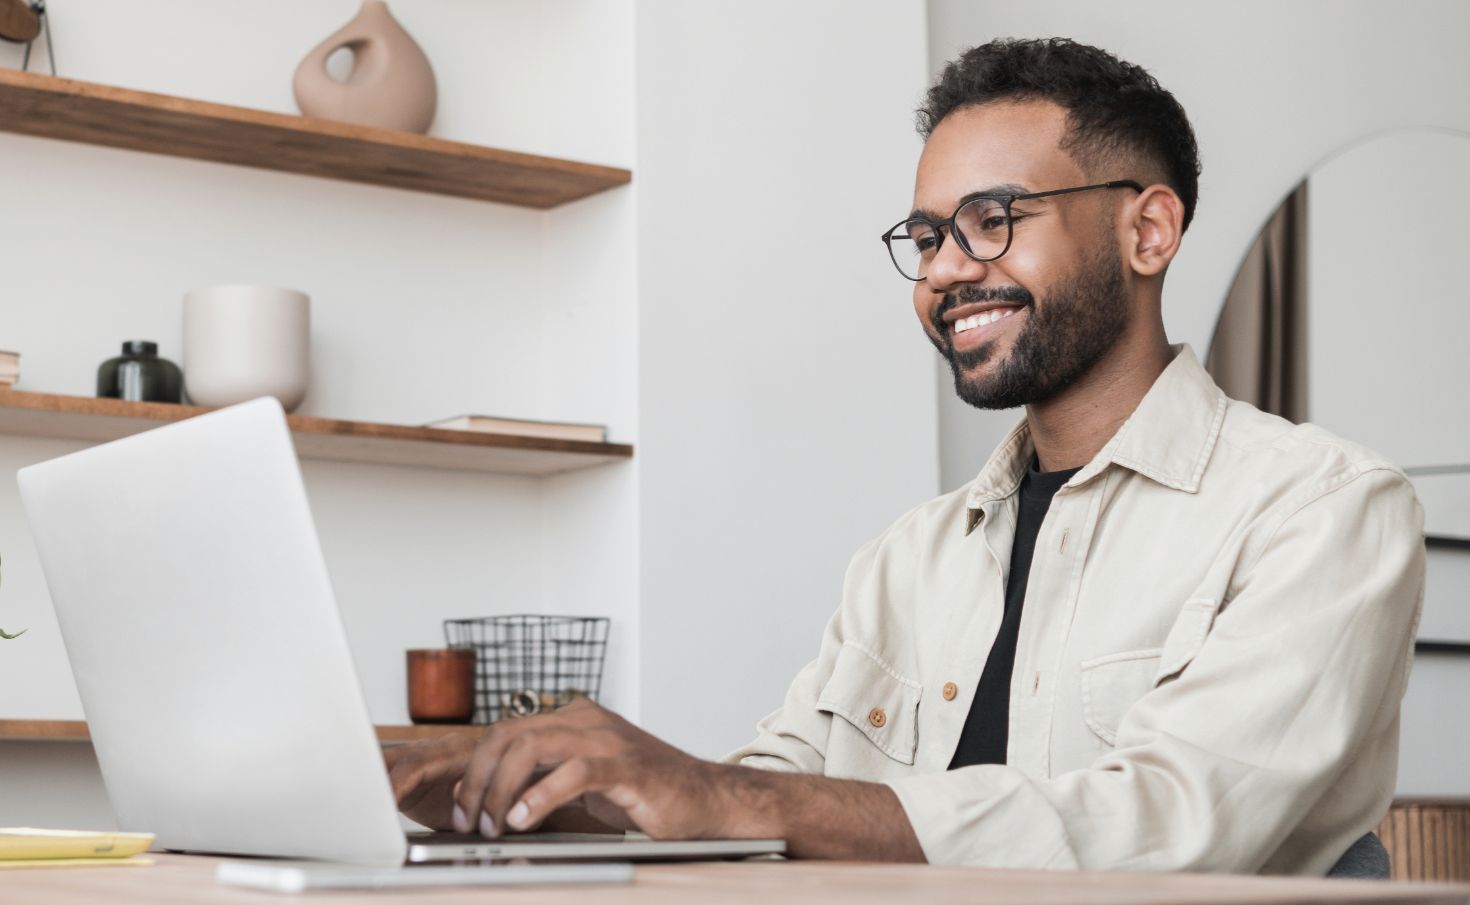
x,y
970,295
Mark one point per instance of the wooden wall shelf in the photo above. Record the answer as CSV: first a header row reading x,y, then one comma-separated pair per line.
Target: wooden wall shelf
x,y
42,105
99,420
76,731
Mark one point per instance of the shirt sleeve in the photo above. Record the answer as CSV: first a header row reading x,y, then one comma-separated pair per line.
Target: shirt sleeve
x,y
1303,670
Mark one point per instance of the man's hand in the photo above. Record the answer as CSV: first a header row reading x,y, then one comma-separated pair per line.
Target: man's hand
x,y
523,770
424,776
591,762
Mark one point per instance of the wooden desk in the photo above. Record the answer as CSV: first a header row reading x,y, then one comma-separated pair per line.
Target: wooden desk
x,y
178,879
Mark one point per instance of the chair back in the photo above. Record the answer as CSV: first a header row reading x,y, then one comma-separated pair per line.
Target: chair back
x,y
1365,859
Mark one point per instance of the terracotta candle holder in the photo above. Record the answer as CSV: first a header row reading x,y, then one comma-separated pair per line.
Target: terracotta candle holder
x,y
441,685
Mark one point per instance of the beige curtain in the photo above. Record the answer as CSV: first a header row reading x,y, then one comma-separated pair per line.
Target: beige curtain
x,y
1259,352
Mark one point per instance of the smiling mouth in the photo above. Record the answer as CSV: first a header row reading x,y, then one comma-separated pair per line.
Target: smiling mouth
x,y
983,319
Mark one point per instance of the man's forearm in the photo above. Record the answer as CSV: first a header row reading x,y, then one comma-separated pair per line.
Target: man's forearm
x,y
818,817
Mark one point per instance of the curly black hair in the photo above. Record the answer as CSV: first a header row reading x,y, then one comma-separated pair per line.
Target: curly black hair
x,y
1115,110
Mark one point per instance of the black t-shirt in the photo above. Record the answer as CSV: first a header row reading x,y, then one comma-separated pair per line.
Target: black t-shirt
x,y
983,740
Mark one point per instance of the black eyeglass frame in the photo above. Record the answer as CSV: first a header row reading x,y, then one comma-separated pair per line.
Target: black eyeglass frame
x,y
1006,201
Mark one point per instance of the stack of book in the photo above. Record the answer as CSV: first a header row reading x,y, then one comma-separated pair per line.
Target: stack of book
x,y
9,368
520,427
23,846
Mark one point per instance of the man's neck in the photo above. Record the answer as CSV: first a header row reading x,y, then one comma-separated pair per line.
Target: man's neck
x,y
1069,429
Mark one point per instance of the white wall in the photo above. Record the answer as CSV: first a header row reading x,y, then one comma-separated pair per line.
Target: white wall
x,y
786,400
1271,88
55,785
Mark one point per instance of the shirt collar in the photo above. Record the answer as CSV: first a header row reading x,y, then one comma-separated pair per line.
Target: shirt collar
x,y
1168,438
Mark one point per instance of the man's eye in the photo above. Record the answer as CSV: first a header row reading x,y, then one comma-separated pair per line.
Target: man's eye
x,y
926,244
995,221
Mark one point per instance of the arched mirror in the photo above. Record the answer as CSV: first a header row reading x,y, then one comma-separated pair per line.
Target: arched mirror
x,y
1352,310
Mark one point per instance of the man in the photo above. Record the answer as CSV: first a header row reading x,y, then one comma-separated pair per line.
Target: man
x,y
1160,630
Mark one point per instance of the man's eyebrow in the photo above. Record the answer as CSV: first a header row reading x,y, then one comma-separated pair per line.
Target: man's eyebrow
x,y
1005,188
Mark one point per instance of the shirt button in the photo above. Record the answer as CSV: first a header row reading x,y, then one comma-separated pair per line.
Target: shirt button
x,y
877,717
950,690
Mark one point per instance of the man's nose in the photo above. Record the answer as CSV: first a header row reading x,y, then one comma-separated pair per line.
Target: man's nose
x,y
951,267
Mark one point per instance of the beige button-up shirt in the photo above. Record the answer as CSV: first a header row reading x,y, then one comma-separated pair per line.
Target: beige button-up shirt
x,y
1217,633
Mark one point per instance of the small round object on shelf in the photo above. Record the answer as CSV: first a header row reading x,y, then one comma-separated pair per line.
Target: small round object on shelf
x,y
139,375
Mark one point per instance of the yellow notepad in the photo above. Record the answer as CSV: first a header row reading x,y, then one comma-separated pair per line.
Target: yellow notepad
x,y
24,843
76,862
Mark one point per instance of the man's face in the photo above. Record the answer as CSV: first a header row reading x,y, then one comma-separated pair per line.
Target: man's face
x,y
1022,328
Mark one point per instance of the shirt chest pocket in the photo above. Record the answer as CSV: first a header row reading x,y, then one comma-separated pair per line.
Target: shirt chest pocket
x,y
875,701
1113,683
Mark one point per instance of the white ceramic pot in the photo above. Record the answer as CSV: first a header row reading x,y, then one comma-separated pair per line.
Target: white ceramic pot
x,y
241,342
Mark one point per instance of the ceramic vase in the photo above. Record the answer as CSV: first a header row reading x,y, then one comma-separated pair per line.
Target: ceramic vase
x,y
241,342
391,85
139,375
18,21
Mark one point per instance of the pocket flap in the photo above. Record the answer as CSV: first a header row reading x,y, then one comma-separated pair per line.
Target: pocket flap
x,y
1186,637
877,701
1112,684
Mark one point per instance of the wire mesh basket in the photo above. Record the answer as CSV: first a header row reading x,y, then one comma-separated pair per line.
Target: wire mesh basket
x,y
526,664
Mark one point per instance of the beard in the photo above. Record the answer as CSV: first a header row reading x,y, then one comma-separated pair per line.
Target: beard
x,y
1078,322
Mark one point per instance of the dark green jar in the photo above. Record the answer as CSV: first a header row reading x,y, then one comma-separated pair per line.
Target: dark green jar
x,y
139,375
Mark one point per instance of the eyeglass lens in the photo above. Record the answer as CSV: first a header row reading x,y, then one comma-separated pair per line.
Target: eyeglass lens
x,y
984,230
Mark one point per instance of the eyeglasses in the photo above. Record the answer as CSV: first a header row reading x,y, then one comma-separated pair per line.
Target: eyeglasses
x,y
983,226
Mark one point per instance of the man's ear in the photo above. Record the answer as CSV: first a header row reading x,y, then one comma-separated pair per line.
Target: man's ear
x,y
1155,226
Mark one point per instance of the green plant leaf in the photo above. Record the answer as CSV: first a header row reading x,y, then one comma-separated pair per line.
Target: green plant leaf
x,y
7,636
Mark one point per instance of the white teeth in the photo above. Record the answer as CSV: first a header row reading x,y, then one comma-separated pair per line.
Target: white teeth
x,y
982,319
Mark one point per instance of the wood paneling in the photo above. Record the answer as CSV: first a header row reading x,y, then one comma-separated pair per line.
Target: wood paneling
x,y
1428,838
100,420
49,107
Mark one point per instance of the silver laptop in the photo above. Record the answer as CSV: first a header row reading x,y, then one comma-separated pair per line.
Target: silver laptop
x,y
211,660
